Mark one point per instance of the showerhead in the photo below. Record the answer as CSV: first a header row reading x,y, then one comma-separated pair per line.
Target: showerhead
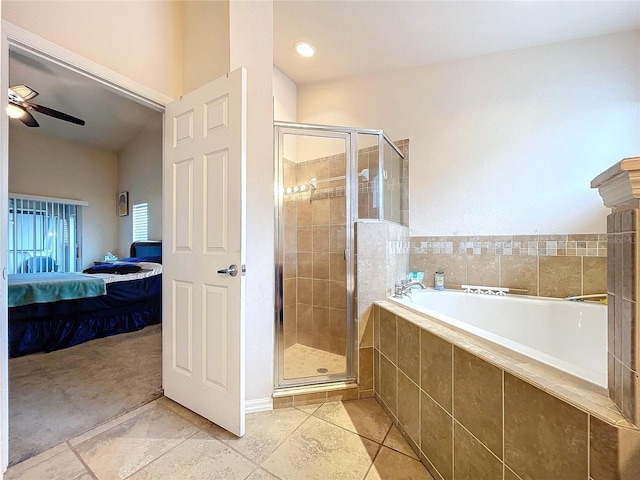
x,y
364,174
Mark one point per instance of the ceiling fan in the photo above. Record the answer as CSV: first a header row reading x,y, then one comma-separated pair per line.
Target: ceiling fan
x,y
19,107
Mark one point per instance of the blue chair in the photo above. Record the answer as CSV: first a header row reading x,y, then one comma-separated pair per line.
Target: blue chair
x,y
39,264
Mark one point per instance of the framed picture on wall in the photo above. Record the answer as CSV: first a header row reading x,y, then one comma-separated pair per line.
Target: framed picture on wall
x,y
123,204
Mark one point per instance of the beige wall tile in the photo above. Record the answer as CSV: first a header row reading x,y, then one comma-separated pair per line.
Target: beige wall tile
x,y
338,210
320,323
409,349
321,238
290,212
483,270
436,356
305,291
338,294
472,460
454,267
320,210
320,293
290,265
436,436
304,213
603,450
321,263
337,322
309,398
594,275
289,294
342,395
365,328
628,454
423,262
376,326
544,437
560,276
519,271
283,402
477,401
630,395
388,334
509,475
409,406
388,384
338,234
305,265
365,368
338,267
305,239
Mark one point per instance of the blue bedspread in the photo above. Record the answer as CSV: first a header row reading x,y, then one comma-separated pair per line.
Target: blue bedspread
x,y
28,288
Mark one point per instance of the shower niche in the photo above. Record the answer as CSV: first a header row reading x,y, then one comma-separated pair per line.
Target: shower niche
x,y
327,178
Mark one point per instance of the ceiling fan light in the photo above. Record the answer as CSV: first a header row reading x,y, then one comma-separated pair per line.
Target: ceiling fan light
x,y
305,49
14,111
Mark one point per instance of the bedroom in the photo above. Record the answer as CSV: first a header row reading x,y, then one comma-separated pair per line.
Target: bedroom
x,y
119,150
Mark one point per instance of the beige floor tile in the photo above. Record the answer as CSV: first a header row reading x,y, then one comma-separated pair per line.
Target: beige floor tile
x,y
260,474
191,416
199,457
390,464
364,417
396,441
264,432
320,450
129,446
62,465
309,408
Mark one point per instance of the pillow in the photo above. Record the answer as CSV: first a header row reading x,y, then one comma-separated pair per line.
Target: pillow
x,y
153,259
117,268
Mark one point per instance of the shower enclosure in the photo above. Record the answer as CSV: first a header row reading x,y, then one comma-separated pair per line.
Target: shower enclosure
x,y
326,178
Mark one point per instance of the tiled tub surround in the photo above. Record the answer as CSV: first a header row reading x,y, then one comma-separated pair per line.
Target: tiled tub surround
x,y
619,187
472,410
539,265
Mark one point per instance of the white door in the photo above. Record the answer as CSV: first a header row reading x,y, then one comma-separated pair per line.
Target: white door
x,y
203,232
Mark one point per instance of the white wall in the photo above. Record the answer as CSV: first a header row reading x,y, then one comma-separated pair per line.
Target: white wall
x,y
504,143
285,97
251,46
205,42
140,40
140,174
41,165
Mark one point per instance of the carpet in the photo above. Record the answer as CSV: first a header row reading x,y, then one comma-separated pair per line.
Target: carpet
x,y
53,397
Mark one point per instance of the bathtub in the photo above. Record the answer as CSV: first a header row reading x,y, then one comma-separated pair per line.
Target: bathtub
x,y
570,336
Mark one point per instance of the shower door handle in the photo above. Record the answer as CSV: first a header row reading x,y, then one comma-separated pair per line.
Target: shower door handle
x,y
231,271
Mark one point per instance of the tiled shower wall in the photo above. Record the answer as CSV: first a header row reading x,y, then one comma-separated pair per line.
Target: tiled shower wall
x,y
315,233
544,265
623,332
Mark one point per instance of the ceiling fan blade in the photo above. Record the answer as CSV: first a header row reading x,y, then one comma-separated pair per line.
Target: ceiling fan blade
x,y
24,92
55,113
28,119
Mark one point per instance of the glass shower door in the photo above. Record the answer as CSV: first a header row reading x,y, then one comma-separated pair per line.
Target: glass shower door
x,y
314,259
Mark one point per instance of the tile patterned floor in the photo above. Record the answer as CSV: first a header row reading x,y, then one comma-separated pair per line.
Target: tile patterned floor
x,y
304,361
164,441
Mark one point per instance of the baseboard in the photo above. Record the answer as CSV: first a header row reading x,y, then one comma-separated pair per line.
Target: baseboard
x,y
258,405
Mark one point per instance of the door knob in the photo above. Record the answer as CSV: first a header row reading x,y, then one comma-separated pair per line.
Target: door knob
x,y
232,270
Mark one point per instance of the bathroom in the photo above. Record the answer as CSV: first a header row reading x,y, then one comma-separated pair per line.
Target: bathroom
x,y
500,151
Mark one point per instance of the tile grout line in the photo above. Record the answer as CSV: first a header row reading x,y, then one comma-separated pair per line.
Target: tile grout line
x,y
164,453
86,466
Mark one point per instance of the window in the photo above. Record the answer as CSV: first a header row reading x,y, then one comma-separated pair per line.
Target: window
x,y
140,222
43,234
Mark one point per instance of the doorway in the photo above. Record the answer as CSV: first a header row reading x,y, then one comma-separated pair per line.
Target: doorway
x,y
79,83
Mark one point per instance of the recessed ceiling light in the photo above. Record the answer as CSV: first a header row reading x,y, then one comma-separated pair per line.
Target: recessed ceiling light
x,y
305,49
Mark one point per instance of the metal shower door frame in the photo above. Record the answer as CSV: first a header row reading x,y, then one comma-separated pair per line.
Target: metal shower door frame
x,y
351,196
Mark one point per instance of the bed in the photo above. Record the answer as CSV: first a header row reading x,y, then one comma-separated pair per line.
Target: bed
x,y
50,313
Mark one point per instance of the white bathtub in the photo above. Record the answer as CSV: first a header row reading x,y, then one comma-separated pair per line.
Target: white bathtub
x,y
570,336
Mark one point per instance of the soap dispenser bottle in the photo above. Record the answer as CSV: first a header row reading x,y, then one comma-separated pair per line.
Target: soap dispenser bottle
x,y
439,280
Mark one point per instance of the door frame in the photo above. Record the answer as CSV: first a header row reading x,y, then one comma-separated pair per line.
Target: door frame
x,y
16,38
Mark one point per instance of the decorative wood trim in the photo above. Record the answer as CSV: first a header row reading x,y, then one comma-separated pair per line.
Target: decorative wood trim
x,y
619,183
